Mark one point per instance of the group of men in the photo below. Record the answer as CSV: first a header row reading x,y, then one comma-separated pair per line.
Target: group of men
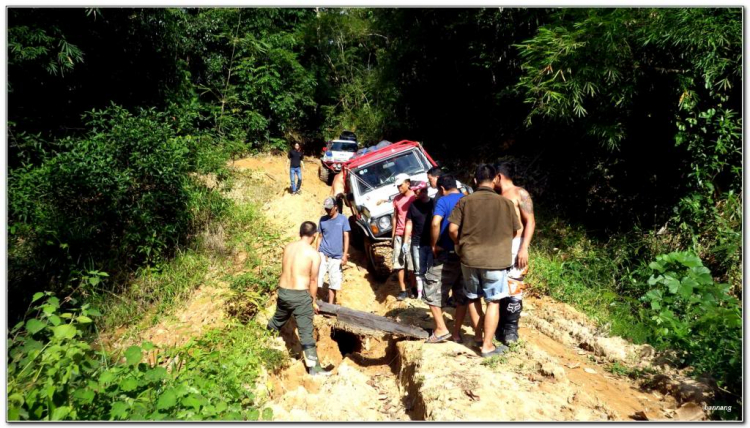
x,y
462,248
467,246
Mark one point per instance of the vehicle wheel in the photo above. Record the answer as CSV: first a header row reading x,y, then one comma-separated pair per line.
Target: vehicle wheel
x,y
324,175
377,255
356,237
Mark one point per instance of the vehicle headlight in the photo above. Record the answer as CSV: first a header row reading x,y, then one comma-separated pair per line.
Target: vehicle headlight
x,y
384,223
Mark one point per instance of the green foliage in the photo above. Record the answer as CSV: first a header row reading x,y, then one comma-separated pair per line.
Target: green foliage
x,y
47,354
252,288
621,48
54,374
691,313
46,46
253,85
599,277
153,289
120,194
347,46
608,73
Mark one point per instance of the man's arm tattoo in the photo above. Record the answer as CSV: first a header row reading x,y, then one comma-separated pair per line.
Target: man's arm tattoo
x,y
526,205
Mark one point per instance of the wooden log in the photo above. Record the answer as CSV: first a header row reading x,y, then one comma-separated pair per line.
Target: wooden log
x,y
366,322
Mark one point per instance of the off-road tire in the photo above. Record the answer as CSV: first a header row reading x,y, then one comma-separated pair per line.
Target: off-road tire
x,y
357,236
379,257
325,175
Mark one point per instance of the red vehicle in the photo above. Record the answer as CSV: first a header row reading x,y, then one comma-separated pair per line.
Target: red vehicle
x,y
370,189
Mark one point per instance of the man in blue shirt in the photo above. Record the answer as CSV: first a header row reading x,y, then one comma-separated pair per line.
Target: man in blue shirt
x,y
333,246
445,274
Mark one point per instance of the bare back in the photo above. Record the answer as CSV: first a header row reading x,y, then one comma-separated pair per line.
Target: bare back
x,y
337,186
515,195
299,266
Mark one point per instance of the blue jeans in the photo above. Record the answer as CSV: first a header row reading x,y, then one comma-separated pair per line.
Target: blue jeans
x,y
490,284
298,172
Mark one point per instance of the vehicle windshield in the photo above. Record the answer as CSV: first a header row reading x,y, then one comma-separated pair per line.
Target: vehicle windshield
x,y
384,172
343,147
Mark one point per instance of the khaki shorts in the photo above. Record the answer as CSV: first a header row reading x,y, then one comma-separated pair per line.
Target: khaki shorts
x,y
442,278
400,261
333,268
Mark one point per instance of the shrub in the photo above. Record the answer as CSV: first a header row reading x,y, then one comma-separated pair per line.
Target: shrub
x,y
54,374
117,197
691,313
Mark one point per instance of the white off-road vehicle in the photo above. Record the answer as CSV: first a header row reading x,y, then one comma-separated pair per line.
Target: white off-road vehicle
x,y
335,153
369,186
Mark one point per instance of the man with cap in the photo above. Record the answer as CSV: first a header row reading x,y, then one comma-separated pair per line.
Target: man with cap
x,y
401,204
333,245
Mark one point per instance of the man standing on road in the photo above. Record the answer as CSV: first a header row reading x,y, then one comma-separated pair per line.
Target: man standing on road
x,y
483,225
401,204
295,168
418,228
444,276
511,306
432,177
333,245
298,287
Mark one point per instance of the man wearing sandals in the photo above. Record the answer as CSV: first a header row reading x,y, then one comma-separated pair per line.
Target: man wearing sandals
x,y
445,273
483,225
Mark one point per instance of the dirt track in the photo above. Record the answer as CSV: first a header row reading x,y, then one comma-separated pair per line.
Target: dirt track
x,y
557,374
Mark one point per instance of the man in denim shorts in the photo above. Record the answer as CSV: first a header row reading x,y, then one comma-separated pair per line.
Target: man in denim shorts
x,y
483,225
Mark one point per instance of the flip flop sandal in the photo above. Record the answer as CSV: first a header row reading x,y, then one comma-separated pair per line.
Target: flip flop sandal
x,y
499,350
438,339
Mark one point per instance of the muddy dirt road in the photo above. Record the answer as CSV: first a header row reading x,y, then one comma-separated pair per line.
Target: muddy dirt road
x,y
557,373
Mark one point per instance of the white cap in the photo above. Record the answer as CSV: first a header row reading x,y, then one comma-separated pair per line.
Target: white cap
x,y
401,178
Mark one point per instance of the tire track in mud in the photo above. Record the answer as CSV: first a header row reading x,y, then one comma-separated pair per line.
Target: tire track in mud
x,y
549,377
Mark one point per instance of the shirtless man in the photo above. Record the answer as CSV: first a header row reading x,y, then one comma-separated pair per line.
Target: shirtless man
x,y
337,190
297,292
511,306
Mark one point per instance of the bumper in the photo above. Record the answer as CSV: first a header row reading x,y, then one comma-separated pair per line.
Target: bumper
x,y
333,166
379,237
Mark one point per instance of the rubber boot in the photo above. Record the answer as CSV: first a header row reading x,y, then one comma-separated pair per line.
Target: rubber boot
x,y
310,356
510,314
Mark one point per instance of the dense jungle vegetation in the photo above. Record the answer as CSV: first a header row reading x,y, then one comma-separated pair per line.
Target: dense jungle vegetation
x,y
624,125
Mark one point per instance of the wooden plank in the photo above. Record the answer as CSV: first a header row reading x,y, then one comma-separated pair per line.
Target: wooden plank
x,y
371,322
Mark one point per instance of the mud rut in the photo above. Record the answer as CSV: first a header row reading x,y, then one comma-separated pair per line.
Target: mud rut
x,y
556,374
